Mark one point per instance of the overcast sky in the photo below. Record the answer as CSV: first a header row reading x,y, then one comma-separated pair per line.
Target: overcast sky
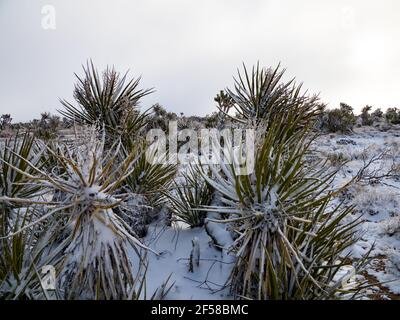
x,y
188,50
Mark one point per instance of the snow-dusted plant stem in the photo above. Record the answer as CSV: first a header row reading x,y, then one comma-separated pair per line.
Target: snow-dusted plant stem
x,y
289,238
92,259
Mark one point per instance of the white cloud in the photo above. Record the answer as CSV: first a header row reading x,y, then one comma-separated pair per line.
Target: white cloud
x,y
189,50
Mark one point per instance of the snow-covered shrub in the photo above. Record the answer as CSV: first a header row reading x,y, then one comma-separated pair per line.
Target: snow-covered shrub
x,y
91,258
377,114
5,121
188,197
47,127
341,119
366,117
337,159
261,96
148,179
16,154
392,115
20,254
289,243
111,102
372,201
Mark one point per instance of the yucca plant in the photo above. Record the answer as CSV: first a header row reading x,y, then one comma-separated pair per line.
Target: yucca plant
x,y
13,168
22,257
110,101
260,95
20,254
92,257
111,104
188,195
14,171
149,178
290,239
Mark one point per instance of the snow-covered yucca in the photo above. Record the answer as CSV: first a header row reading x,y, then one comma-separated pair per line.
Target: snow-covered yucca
x,y
91,253
289,239
188,195
20,254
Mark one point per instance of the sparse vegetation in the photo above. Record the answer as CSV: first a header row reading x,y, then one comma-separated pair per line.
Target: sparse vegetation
x,y
392,115
339,120
366,117
90,203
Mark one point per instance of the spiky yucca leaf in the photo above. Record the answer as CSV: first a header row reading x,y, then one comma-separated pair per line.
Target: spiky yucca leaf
x,y
261,95
111,102
289,237
92,260
188,196
13,170
22,258
149,178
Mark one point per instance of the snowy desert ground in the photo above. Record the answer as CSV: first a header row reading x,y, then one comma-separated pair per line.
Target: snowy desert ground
x,y
374,195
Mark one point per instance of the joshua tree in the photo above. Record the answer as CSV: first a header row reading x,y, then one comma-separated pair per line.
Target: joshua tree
x,y
290,237
90,249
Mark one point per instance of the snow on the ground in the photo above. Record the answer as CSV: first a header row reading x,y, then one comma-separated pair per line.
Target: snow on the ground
x,y
376,201
207,281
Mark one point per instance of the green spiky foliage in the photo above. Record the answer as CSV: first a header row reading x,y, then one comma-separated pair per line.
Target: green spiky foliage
x,y
188,195
110,101
20,254
290,238
260,95
22,258
14,170
392,115
92,256
112,105
150,179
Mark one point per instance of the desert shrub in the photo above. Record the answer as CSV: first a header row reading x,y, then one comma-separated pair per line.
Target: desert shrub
x,y
111,102
14,168
20,254
92,259
289,244
392,115
377,114
149,179
342,119
212,120
5,121
366,117
47,127
160,118
261,96
188,196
